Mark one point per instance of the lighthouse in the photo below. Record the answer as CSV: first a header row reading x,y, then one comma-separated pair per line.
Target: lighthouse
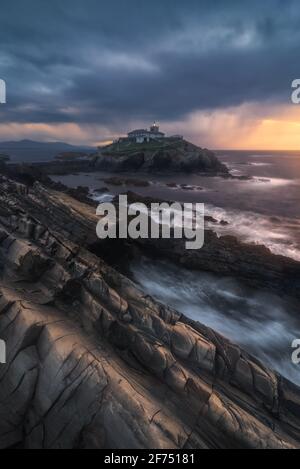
x,y
154,128
144,135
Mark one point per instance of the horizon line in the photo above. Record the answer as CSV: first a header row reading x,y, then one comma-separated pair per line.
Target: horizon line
x,y
95,145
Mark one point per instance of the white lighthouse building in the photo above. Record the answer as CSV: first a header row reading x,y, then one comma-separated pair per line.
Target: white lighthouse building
x,y
144,135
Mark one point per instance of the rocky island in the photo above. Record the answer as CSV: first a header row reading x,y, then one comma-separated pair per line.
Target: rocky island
x,y
142,151
170,154
94,362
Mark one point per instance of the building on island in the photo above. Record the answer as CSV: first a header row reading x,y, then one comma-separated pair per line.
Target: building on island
x,y
145,135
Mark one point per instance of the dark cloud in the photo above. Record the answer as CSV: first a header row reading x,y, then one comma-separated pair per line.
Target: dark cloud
x,y
100,62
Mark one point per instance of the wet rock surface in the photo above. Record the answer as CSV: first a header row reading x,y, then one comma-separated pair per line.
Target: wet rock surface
x,y
93,362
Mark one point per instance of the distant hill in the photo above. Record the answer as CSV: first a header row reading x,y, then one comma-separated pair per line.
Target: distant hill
x,y
25,144
29,151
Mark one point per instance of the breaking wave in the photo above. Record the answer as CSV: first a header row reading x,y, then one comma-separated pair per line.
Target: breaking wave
x,y
262,323
280,235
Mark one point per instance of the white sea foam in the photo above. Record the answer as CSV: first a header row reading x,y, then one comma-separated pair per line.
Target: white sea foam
x,y
101,198
262,323
256,163
260,182
278,234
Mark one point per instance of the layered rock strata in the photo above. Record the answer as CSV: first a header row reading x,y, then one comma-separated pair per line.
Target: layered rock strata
x,y
93,362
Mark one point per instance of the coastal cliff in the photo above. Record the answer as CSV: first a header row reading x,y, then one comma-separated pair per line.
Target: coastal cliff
x,y
93,362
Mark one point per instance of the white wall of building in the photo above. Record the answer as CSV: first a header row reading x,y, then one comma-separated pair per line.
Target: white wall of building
x,y
147,136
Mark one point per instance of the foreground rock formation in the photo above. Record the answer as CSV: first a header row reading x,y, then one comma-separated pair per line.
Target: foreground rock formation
x,y
93,362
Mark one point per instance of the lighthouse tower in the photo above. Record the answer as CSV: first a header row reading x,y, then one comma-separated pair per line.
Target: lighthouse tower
x,y
154,128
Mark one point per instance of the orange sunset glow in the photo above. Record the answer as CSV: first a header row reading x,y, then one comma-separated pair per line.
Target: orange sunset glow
x,y
277,132
244,127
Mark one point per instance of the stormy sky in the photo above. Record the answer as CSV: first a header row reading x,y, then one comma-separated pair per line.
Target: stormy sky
x,y
219,72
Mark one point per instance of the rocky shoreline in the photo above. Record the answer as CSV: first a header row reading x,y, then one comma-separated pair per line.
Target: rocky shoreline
x,y
93,362
254,265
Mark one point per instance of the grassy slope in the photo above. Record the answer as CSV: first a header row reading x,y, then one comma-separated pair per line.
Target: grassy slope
x,y
129,147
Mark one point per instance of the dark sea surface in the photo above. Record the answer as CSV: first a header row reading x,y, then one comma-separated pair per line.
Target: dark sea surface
x,y
263,210
28,155
36,153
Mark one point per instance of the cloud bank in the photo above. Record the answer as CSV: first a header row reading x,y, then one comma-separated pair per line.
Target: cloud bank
x,y
90,70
